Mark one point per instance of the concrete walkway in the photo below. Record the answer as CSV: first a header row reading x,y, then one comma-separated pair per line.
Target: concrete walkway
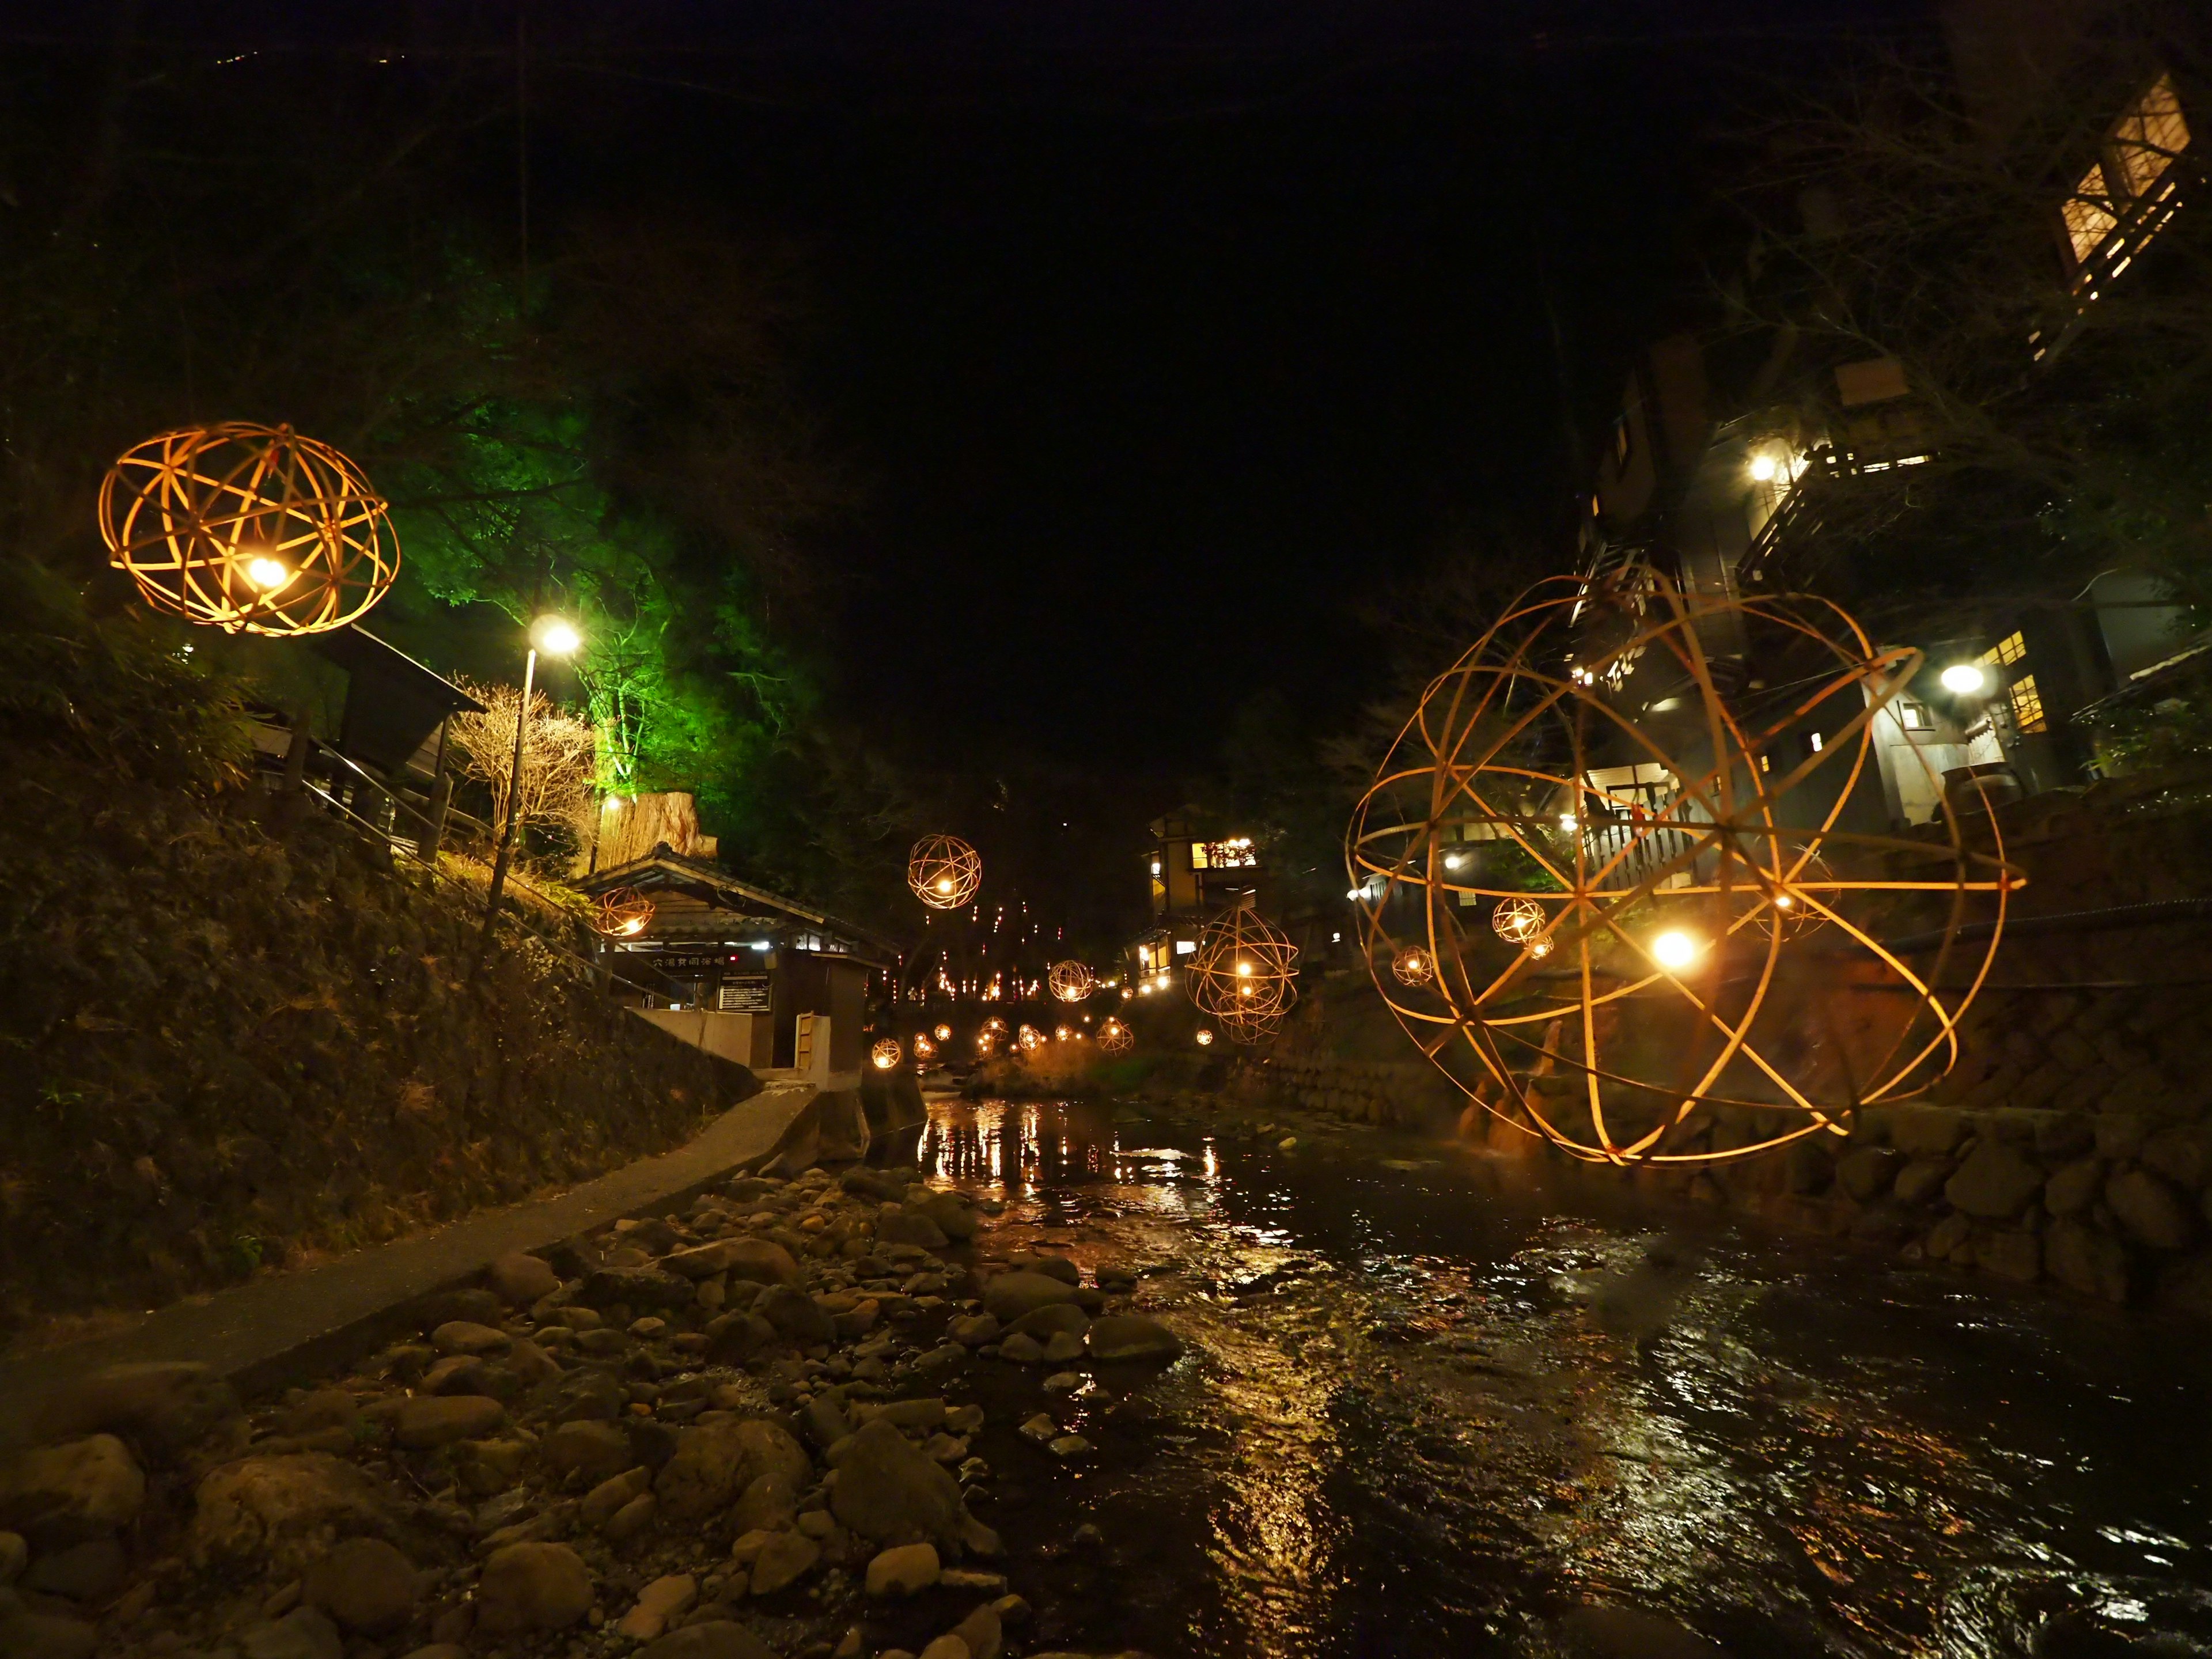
x,y
292,1326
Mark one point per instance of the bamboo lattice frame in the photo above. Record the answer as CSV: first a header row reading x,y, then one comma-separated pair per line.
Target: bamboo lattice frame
x,y
944,872
1072,982
1610,1054
1244,973
623,913
886,1054
1115,1038
250,529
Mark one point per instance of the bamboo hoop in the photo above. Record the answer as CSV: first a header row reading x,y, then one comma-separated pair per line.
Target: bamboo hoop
x,y
944,872
1686,994
1071,981
623,913
250,529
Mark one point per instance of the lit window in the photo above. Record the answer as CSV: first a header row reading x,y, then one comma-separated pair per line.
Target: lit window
x,y
2148,138
1914,716
1234,854
2006,652
2089,217
1816,740
1186,946
1764,765
2026,704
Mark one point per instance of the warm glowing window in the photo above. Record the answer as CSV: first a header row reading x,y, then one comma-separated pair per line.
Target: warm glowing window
x,y
2089,217
2026,704
1235,854
2148,138
2006,652
1914,716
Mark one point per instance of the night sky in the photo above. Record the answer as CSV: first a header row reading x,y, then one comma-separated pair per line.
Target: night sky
x,y
1161,339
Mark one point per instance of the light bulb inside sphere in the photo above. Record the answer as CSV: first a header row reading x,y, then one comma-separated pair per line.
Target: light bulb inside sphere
x,y
1964,678
1762,467
1205,1038
267,573
945,884
1570,823
1675,949
1244,969
555,636
1783,901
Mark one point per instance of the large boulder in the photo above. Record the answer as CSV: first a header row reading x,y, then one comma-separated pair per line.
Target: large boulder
x,y
1995,1183
1132,1336
366,1584
527,1587
1009,1296
283,1514
713,1465
62,1495
888,1491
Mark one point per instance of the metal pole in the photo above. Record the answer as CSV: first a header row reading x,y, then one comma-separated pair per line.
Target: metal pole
x,y
514,799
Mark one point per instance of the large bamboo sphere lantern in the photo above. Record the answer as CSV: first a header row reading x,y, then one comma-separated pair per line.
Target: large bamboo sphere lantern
x,y
1071,981
250,529
1242,972
1115,1038
623,913
886,1054
1611,842
944,872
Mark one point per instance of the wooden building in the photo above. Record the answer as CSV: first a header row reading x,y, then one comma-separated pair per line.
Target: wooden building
x,y
741,972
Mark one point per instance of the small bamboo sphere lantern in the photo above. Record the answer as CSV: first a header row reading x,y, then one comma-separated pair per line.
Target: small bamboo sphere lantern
x,y
1029,1039
623,913
944,1034
250,529
923,1048
1072,982
944,872
995,1026
1521,922
1204,1037
984,1041
1243,968
1115,1038
886,1054
1414,966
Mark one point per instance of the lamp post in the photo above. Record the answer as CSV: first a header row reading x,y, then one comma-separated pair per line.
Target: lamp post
x,y
556,637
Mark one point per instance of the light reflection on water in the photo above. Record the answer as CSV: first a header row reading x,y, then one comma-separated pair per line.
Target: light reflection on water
x,y
1430,1407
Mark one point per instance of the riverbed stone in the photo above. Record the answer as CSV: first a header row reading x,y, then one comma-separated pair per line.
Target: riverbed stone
x,y
1042,1322
2150,1210
1010,1295
1995,1183
2074,1188
1920,1180
1132,1336
973,1330
708,1638
430,1420
783,1560
713,1464
2084,1258
796,1315
521,1280
1866,1172
2011,1255
25,1635
889,1492
589,1448
1949,1234
364,1583
464,1336
600,1504
62,1495
283,1513
904,1570
1021,1349
15,1552
302,1633
657,1603
980,1630
88,1573
1926,1130
162,1408
527,1587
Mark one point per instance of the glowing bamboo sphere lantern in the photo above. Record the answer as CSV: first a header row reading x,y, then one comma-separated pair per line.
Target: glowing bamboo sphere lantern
x,y
944,1034
923,1048
250,529
944,872
1072,982
1244,969
1586,741
1414,966
1029,1039
886,1054
995,1026
623,913
1205,1038
1115,1038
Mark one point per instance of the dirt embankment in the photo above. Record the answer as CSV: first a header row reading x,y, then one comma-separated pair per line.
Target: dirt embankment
x,y
236,1036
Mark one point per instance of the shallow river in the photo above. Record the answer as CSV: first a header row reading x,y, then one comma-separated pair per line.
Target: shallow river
x,y
1432,1406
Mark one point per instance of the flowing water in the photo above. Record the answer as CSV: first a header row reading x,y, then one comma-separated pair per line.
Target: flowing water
x,y
1436,1405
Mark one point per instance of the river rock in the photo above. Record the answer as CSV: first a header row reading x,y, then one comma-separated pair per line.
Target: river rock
x,y
1052,1266
463,1337
1008,1296
603,1501
1062,1347
713,1465
1866,1172
795,1313
980,1631
1044,1322
430,1420
1928,1130
2083,1258
528,1587
302,1633
62,1495
2011,1255
283,1513
905,1569
734,1338
757,1261
1920,1180
1995,1182
365,1584
1132,1336
632,1518
954,1216
657,1603
768,1502
465,1373
896,1223
2151,1211
638,1289
710,1638
163,1406
783,1561
325,1408
15,1550
973,1330
2074,1188
520,1280
888,1491
475,1304
947,1646
45,1636
589,1448
1021,1349
89,1573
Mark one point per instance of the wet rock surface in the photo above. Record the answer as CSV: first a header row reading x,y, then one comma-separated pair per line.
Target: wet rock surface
x,y
1169,1389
